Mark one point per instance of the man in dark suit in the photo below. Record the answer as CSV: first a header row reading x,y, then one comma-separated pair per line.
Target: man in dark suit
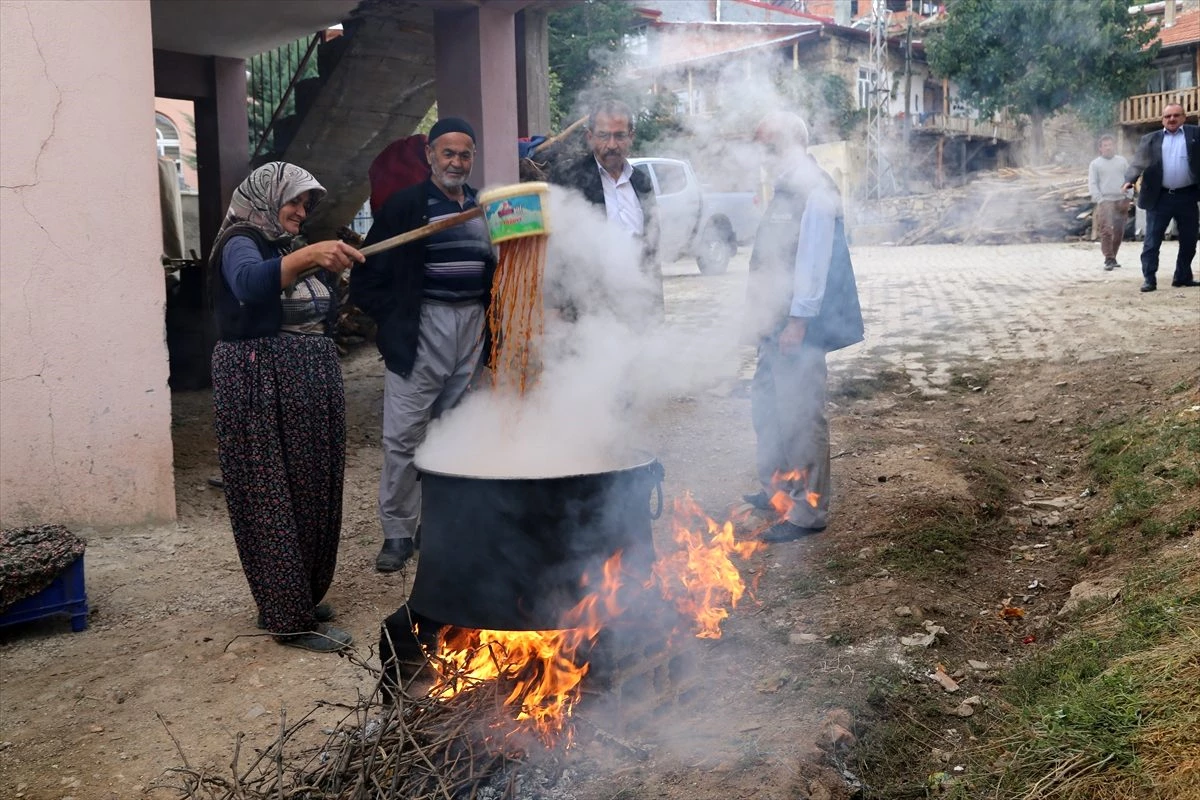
x,y
609,181
1168,162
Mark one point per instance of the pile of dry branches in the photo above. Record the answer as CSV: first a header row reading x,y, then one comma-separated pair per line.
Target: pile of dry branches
x,y
418,748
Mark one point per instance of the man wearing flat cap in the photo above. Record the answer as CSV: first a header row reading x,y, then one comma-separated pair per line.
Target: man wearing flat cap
x,y
429,300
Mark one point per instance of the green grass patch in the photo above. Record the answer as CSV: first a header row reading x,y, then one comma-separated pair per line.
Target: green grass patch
x,y
1144,465
933,536
1092,716
1110,712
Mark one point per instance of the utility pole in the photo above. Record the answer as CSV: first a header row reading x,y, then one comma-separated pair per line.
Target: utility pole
x,y
877,101
908,79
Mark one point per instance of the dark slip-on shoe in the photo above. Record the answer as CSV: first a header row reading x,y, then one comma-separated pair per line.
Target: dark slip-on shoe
x,y
787,532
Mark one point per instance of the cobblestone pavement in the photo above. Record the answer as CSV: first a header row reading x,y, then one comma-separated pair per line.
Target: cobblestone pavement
x,y
931,308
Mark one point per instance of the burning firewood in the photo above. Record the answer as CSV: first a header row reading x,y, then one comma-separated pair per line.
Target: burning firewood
x,y
492,708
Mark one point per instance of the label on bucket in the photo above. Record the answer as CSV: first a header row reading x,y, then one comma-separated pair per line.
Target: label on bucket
x,y
518,215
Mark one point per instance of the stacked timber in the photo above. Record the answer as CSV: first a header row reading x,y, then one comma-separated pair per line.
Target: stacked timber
x,y
1011,205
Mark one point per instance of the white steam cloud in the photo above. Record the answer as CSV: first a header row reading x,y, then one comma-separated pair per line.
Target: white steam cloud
x,y
610,363
603,373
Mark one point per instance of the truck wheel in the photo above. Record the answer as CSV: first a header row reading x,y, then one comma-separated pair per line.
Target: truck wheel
x,y
714,249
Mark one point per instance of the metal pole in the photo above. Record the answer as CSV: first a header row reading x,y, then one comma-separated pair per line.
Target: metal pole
x,y
908,78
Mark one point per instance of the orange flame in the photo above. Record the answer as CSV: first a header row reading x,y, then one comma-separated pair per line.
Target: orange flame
x,y
546,667
783,483
699,578
542,665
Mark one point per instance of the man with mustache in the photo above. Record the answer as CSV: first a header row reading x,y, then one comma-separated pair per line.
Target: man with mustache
x,y
609,181
1168,162
429,300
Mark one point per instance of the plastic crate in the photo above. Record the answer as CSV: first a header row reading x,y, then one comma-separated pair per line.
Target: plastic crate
x,y
65,595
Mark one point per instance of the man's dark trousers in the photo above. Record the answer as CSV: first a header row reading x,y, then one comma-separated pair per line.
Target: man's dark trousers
x,y
1180,205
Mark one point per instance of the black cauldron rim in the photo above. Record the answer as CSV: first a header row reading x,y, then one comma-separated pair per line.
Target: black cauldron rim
x,y
648,460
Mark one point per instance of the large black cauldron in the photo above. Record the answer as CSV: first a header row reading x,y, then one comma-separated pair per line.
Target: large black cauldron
x,y
511,553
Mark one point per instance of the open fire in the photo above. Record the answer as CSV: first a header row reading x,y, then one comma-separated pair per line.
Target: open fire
x,y
546,668
782,483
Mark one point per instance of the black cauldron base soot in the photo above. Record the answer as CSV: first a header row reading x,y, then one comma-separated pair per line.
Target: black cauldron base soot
x,y
518,553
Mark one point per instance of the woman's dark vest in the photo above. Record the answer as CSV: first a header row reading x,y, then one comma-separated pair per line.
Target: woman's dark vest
x,y
237,320
839,322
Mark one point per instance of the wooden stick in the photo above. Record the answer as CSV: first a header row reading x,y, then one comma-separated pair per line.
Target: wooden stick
x,y
408,236
423,231
553,140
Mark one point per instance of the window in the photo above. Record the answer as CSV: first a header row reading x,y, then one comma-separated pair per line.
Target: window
x,y
167,136
866,81
682,106
1168,77
671,178
637,41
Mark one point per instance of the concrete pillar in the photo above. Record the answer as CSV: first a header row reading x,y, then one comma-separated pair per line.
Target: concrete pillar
x,y
85,415
476,79
533,72
217,87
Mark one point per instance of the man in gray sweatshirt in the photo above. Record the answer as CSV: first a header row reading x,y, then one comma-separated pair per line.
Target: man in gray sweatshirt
x,y
1106,177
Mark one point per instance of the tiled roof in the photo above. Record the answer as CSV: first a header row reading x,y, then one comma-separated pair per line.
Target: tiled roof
x,y
689,41
1186,30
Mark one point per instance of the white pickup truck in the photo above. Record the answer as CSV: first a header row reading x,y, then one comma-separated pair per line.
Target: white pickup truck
x,y
707,225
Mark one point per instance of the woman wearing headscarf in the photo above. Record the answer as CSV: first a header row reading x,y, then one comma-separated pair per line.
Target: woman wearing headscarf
x,y
280,410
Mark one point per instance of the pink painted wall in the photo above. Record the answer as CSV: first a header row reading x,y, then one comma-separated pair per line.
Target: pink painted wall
x,y
85,413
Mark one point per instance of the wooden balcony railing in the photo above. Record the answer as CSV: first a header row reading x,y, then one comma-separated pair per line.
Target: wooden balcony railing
x,y
1145,108
965,126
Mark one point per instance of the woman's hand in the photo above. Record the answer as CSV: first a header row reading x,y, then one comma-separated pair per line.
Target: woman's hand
x,y
331,255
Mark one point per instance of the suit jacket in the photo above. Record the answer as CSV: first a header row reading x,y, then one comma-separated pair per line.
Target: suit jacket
x,y
1147,163
584,174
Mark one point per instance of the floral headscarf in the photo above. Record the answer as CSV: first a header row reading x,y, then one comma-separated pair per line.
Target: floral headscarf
x,y
258,199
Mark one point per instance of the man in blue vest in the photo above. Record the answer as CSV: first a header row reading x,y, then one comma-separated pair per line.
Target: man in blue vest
x,y
803,303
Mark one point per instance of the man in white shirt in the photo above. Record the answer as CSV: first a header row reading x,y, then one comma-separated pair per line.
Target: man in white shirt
x,y
1168,162
607,179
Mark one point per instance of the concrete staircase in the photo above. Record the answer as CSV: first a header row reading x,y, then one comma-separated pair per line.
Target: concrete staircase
x,y
375,84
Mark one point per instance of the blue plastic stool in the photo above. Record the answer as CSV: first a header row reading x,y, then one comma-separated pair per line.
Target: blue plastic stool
x,y
65,595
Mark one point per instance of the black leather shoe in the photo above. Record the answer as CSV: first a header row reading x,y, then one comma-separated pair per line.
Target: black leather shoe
x,y
1185,283
394,554
786,532
1148,287
759,500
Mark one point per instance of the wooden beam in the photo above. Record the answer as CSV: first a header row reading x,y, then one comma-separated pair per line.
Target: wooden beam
x,y
533,72
181,76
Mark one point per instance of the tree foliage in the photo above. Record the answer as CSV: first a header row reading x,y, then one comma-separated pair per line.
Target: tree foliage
x,y
825,100
1036,56
587,44
267,79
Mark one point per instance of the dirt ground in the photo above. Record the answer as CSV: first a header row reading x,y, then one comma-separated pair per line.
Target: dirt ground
x,y
172,643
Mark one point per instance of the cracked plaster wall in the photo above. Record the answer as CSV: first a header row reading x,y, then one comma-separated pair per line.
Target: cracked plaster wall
x,y
85,413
